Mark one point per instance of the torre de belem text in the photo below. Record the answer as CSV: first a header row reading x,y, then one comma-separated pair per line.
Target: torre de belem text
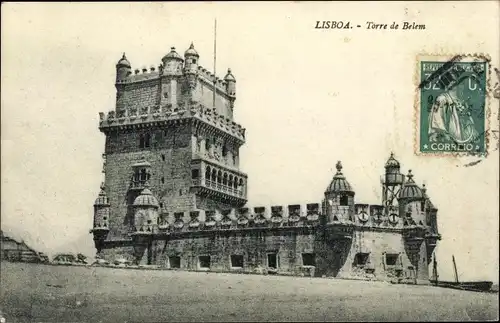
x,y
174,196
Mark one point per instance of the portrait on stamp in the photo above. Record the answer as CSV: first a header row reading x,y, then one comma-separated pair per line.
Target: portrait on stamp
x,y
452,107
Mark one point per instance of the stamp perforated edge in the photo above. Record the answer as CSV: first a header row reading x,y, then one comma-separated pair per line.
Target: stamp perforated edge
x,y
446,57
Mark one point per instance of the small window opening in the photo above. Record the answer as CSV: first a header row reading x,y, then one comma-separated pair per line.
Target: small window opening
x,y
180,192
194,61
344,200
174,261
391,259
204,262
207,144
224,151
149,221
237,261
361,259
163,180
161,205
104,218
195,173
163,157
272,260
308,259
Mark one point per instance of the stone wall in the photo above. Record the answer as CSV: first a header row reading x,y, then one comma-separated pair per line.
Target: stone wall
x,y
170,170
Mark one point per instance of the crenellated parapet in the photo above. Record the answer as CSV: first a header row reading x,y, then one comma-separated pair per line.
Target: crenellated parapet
x,y
174,66
244,218
164,115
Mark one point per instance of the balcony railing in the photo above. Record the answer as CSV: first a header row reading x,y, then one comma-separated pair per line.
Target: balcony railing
x,y
220,187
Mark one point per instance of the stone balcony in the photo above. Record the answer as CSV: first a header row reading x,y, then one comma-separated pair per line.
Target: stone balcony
x,y
163,115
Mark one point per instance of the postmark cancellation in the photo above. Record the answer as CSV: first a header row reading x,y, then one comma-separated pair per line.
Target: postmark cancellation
x,y
451,105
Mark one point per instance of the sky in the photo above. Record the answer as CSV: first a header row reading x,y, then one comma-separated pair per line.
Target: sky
x,y
307,98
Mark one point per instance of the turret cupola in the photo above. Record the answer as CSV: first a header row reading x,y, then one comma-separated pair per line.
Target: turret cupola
x,y
392,163
123,69
172,63
191,52
339,184
410,190
102,198
191,61
146,198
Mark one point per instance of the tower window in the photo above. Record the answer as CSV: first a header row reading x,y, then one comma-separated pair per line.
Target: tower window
x,y
236,261
361,259
204,262
174,261
272,260
308,259
344,200
391,259
144,140
195,173
194,60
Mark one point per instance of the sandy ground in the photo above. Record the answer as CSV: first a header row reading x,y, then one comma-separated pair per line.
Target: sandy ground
x,y
43,293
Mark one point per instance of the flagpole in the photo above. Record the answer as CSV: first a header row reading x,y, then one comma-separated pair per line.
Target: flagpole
x,y
215,60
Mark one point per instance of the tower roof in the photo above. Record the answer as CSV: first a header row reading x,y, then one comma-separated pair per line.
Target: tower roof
x,y
339,183
123,62
191,51
172,55
229,76
102,198
146,198
392,162
411,190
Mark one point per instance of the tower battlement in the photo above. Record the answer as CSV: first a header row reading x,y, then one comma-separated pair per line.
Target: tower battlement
x,y
159,116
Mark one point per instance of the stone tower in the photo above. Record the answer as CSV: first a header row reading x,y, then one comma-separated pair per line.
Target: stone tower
x,y
170,139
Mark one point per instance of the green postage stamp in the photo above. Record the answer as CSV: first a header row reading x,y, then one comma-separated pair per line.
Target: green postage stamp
x,y
452,105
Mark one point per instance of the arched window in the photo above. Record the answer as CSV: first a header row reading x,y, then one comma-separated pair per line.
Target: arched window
x,y
143,175
235,182
224,151
230,181
207,173
219,177
214,175
144,140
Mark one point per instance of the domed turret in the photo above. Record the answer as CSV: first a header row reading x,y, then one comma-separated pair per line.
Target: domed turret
x,y
191,52
230,83
123,69
172,63
410,190
101,218
145,212
339,184
146,198
191,66
102,198
393,176
392,162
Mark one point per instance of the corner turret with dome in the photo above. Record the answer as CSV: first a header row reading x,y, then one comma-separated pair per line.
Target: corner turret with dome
x,y
123,69
172,63
410,191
